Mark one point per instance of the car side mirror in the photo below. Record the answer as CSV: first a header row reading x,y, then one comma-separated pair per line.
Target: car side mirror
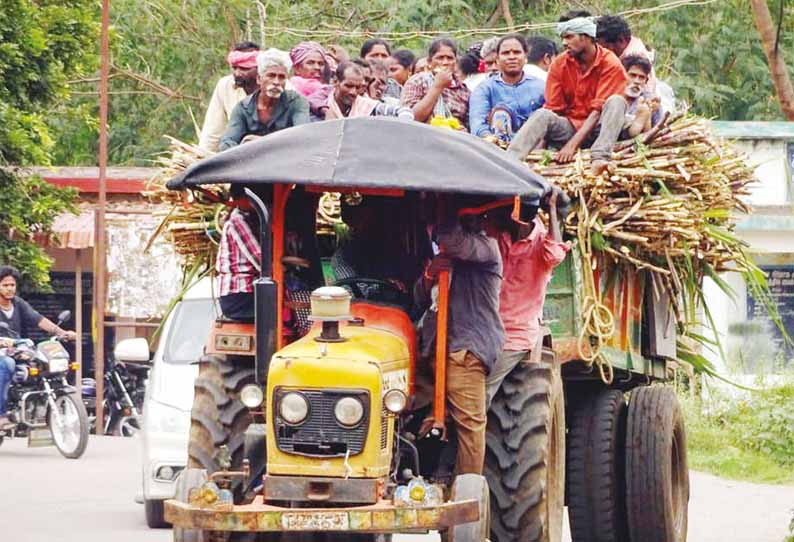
x,y
132,351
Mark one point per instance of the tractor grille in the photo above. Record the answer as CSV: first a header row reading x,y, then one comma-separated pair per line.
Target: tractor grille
x,y
321,435
384,429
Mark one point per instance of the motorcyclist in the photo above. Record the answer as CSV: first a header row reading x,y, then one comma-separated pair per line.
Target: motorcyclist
x,y
21,318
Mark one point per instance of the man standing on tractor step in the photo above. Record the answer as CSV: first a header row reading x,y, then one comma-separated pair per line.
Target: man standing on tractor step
x,y
530,253
475,331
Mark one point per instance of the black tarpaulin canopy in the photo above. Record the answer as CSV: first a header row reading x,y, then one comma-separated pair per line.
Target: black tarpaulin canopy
x,y
371,152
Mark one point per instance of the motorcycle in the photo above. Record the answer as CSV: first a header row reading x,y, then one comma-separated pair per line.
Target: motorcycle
x,y
41,404
122,404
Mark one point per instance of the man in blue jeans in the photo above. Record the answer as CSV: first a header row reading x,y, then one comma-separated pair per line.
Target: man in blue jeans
x,y
21,318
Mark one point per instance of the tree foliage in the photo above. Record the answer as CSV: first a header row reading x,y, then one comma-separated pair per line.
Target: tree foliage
x,y
169,53
43,44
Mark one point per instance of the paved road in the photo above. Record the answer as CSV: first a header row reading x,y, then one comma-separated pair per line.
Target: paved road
x,y
46,498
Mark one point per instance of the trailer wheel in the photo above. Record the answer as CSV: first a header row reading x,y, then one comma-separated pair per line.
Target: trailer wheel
x,y
596,467
657,476
218,417
525,457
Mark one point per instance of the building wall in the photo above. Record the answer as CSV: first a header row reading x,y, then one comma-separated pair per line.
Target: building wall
x,y
750,344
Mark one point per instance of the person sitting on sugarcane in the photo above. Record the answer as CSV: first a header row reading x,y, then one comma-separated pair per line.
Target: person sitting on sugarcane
x,y
530,252
584,100
644,109
228,92
501,104
270,108
346,100
475,333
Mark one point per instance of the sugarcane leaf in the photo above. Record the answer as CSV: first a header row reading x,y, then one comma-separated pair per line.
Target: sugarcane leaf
x,y
717,213
719,281
663,188
598,241
698,362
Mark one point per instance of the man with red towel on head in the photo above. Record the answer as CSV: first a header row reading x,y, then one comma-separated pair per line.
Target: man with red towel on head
x,y
228,92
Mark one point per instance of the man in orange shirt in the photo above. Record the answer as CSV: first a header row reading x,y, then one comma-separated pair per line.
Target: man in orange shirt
x,y
584,100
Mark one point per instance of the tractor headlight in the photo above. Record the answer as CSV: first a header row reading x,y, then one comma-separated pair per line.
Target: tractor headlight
x,y
294,408
395,401
349,411
251,395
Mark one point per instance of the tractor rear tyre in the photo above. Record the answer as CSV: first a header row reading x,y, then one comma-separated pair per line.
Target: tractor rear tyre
x,y
596,467
525,455
657,476
218,416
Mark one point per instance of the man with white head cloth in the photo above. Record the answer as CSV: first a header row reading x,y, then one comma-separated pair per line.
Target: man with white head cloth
x,y
271,107
584,103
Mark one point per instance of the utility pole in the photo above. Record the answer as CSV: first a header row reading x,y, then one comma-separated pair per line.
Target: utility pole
x,y
774,56
100,255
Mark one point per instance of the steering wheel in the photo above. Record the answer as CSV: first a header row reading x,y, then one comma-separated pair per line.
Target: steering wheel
x,y
376,290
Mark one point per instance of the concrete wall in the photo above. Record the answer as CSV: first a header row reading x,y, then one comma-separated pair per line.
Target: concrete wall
x,y
748,346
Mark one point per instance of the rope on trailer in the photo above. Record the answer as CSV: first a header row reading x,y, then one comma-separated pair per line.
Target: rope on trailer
x,y
598,322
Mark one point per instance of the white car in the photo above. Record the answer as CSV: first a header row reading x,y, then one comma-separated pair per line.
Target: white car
x,y
169,397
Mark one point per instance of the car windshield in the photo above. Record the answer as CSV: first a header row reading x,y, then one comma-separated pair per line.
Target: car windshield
x,y
189,331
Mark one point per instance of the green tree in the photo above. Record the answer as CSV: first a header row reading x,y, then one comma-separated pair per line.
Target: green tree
x,y
43,44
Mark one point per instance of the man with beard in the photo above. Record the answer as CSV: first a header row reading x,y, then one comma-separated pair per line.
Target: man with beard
x,y
229,90
270,108
643,107
503,103
347,101
584,100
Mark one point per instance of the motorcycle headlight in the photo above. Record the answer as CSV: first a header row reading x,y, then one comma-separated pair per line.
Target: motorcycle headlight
x,y
294,408
349,411
58,365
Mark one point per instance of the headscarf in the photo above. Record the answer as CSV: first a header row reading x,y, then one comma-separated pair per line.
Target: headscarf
x,y
306,87
578,25
242,59
272,57
299,53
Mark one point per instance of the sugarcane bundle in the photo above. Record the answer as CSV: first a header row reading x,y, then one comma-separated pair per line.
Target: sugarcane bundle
x,y
195,220
194,223
668,205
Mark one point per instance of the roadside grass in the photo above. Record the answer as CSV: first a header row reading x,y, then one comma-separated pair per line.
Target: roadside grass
x,y
747,437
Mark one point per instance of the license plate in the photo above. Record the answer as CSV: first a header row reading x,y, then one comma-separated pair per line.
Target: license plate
x,y
315,521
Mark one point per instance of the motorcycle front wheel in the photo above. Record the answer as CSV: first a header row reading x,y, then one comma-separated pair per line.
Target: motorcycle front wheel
x,y
126,426
70,429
